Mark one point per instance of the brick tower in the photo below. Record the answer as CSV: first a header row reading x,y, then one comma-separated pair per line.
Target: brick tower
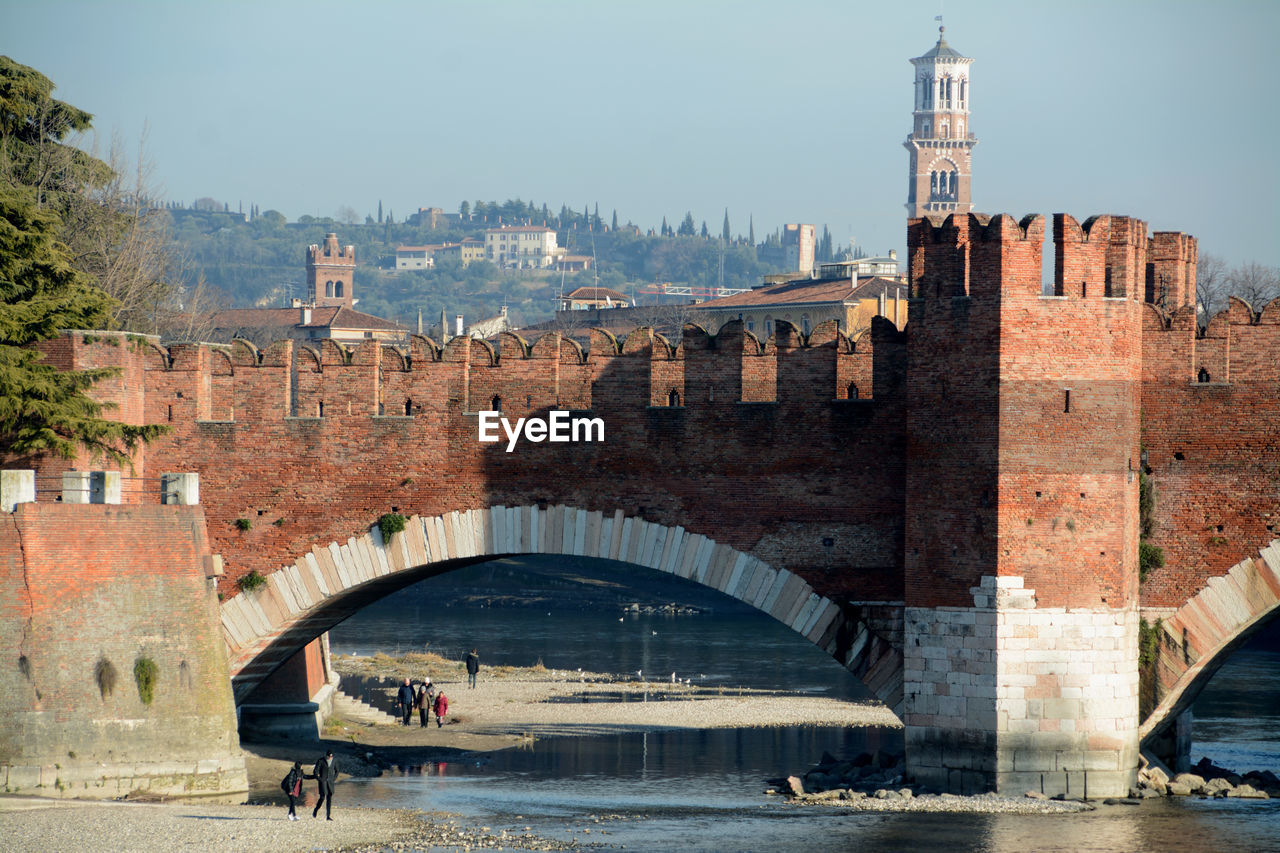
x,y
938,181
331,273
1021,594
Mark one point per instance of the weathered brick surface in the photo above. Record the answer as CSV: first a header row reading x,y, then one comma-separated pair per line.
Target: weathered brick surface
x,y
1211,429
85,588
1023,411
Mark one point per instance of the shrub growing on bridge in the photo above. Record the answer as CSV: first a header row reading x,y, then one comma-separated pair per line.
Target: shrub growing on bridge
x,y
389,524
251,581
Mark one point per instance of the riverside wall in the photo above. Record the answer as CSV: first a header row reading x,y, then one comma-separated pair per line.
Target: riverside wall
x,y
88,593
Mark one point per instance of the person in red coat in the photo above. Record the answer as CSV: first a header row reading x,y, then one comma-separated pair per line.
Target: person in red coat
x,y
441,708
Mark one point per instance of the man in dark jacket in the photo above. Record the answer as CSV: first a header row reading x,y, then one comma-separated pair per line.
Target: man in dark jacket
x,y
404,698
473,666
325,773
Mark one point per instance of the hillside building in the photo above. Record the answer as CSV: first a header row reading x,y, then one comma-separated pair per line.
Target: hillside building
x,y
522,247
417,257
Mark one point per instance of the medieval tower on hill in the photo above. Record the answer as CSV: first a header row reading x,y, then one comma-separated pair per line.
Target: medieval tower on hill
x,y
331,273
940,142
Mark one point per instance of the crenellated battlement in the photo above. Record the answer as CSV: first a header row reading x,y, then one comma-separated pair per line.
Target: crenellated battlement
x,y
245,383
1107,256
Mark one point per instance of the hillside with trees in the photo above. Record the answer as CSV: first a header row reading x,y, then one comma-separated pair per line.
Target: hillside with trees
x,y
256,258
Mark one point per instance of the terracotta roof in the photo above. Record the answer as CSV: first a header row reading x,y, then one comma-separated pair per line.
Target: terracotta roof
x,y
333,316
347,318
803,292
596,293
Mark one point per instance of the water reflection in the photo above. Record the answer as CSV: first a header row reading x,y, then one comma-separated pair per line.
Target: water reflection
x,y
702,791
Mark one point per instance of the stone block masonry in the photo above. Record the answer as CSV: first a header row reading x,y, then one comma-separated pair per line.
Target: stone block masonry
x,y
1010,697
87,594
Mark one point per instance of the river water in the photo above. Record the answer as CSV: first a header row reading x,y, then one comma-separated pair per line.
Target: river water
x,y
703,790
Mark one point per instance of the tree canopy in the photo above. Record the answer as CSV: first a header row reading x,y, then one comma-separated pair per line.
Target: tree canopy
x,y
42,409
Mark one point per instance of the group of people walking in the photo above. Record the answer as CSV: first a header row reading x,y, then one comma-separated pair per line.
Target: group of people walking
x,y
325,773
421,696
425,699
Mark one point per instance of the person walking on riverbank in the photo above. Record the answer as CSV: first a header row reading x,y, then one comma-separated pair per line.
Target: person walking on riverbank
x,y
473,667
423,702
292,784
325,773
441,708
404,698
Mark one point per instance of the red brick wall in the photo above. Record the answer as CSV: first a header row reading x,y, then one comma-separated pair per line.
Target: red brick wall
x,y
935,468
80,584
760,454
1213,447
1022,412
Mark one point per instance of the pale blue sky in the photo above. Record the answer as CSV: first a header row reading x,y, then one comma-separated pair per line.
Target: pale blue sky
x,y
790,112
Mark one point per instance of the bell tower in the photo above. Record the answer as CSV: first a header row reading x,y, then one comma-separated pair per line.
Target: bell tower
x,y
331,273
941,140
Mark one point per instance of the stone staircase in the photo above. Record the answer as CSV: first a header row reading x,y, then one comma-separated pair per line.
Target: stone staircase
x,y
354,710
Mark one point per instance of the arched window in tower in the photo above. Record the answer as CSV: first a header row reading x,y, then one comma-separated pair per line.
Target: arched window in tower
x,y
946,96
337,289
933,184
328,288
964,92
495,405
955,187
944,130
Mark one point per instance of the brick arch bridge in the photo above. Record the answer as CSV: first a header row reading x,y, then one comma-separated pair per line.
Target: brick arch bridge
x,y
267,627
985,483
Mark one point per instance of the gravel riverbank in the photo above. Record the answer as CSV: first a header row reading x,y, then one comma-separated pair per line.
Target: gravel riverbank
x,y
509,706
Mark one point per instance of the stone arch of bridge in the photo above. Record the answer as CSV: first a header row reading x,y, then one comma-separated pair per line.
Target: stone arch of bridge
x,y
1200,636
299,602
